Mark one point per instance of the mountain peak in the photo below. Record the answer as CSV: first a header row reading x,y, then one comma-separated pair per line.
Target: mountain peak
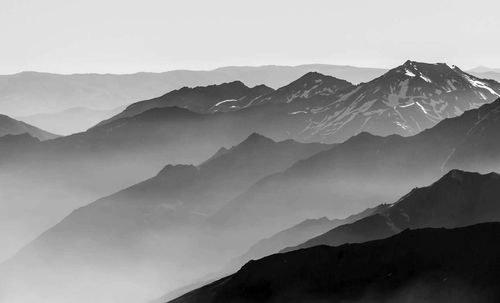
x,y
417,65
236,83
318,78
256,138
461,176
314,75
309,85
409,63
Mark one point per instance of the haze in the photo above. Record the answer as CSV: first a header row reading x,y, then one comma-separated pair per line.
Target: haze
x,y
129,36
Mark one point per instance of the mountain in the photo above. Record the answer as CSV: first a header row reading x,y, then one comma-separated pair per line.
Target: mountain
x,y
10,144
207,99
51,179
479,151
493,75
319,108
288,237
296,235
423,265
307,87
484,69
30,93
405,100
140,224
277,76
361,171
459,198
366,167
236,96
277,114
70,121
9,126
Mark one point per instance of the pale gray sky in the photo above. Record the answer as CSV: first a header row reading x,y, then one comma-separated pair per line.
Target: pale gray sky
x,y
121,36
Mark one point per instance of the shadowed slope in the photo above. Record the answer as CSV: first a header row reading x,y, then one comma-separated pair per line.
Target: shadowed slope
x,y
427,265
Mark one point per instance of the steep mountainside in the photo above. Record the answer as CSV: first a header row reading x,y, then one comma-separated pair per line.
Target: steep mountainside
x,y
331,181
457,199
405,100
297,234
424,265
139,224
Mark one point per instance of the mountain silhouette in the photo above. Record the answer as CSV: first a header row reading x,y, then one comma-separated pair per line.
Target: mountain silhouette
x,y
9,126
423,265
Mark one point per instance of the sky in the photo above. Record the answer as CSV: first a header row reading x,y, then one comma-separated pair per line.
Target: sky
x,y
124,36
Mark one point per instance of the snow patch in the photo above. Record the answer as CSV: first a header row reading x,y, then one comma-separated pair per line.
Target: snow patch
x,y
298,112
425,78
422,108
407,105
408,73
225,101
480,84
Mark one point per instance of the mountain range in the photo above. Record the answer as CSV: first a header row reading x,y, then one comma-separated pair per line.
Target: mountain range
x,y
70,121
423,265
380,163
296,235
10,126
43,99
174,201
405,100
324,183
457,199
30,93
140,223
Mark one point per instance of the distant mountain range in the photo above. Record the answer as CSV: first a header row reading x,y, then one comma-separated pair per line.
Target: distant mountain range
x,y
423,265
405,100
10,126
70,121
484,69
30,93
213,202
330,115
204,100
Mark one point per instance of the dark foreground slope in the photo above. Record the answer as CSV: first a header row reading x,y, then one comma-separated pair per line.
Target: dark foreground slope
x,y
427,265
298,234
459,198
